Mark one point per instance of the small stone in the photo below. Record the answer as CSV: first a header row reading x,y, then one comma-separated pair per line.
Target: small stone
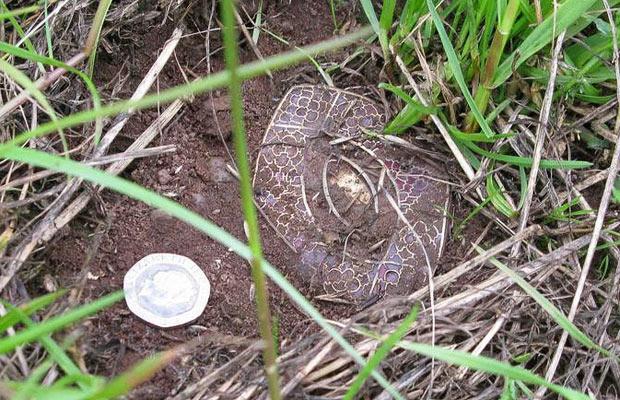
x,y
213,170
164,177
330,238
219,173
49,283
219,103
222,129
226,134
287,26
160,215
92,277
162,222
199,200
136,174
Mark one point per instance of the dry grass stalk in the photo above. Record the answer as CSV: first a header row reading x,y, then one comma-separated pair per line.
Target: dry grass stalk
x,y
541,134
58,216
601,214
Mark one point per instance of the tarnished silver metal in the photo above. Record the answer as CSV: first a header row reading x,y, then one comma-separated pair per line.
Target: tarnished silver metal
x,y
323,179
166,289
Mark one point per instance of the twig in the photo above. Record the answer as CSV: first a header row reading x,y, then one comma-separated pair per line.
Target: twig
x,y
500,281
485,341
7,205
600,217
141,90
328,198
23,363
592,114
539,16
442,129
344,249
304,198
143,140
449,277
385,171
584,184
41,84
34,29
541,133
50,225
248,37
203,384
307,368
148,152
395,140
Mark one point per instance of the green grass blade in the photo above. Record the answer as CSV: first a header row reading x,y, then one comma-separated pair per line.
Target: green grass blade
x,y
137,192
411,114
326,77
12,316
506,19
405,119
408,99
522,187
476,137
18,29
332,10
24,81
92,41
53,324
387,15
491,366
90,85
591,50
455,67
497,198
552,310
369,10
19,11
48,31
497,111
385,24
56,353
381,353
461,226
138,374
569,12
88,381
259,20
310,58
409,17
211,82
46,393
25,389
510,391
263,312
527,161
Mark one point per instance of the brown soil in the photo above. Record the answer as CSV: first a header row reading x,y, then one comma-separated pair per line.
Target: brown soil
x,y
116,232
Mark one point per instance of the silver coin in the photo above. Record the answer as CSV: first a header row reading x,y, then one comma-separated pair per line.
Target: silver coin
x,y
166,289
